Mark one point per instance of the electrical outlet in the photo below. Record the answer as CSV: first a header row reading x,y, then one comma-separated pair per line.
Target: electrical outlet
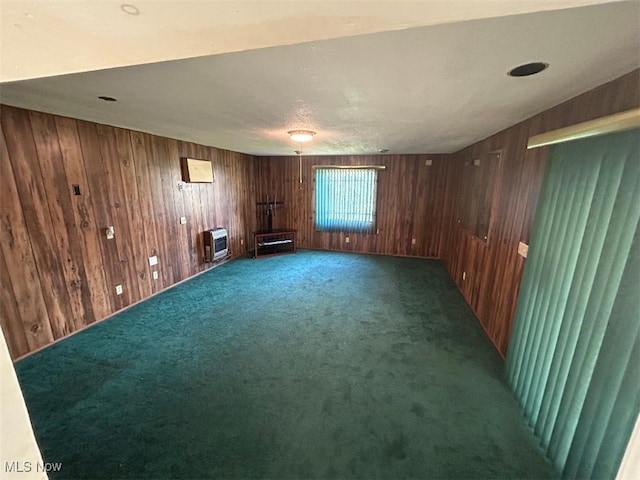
x,y
428,162
183,220
242,241
476,162
118,289
464,275
153,261
155,274
346,239
413,241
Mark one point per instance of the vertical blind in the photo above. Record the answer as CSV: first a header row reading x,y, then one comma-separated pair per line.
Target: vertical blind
x,y
345,199
574,356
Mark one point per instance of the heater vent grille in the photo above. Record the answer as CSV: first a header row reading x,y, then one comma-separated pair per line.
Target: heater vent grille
x,y
215,245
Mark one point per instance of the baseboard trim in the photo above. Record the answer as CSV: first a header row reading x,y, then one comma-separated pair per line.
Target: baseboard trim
x,y
214,265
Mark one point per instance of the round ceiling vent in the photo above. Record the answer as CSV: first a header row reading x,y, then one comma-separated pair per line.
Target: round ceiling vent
x,y
528,69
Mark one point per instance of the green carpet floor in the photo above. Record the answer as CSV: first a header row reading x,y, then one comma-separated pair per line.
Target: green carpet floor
x,y
314,365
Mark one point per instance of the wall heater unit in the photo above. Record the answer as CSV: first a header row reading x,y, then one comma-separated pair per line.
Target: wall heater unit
x,y
215,245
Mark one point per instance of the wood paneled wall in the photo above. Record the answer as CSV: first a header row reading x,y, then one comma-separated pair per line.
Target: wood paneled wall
x,y
493,269
413,203
58,270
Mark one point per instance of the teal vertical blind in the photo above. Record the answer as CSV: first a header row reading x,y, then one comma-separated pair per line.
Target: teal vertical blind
x,y
345,199
574,356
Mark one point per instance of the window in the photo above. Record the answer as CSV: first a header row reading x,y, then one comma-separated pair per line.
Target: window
x,y
346,199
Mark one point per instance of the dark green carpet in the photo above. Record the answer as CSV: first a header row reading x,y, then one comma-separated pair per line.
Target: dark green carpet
x,y
314,365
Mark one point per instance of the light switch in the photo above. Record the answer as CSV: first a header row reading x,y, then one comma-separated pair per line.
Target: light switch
x,y
523,249
153,261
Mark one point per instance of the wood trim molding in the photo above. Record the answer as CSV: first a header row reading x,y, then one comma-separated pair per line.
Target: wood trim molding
x,y
600,126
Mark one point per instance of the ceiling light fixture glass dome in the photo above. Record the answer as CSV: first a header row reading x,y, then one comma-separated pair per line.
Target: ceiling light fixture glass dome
x,y
301,135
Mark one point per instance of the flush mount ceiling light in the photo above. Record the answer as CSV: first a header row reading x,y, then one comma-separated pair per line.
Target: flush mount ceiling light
x,y
301,135
528,69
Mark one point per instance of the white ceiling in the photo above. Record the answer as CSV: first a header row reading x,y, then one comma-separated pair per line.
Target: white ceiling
x,y
435,88
41,38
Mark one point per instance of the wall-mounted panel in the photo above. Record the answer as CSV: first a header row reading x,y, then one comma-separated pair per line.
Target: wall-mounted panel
x,y
477,193
196,171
